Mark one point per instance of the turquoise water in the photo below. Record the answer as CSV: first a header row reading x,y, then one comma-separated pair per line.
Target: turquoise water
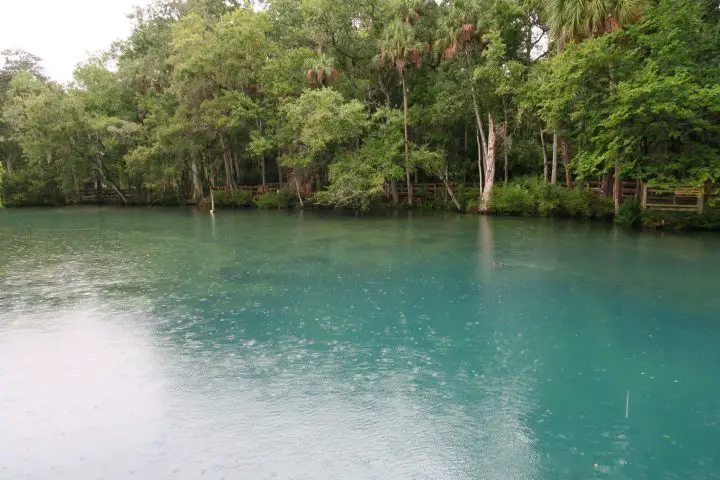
x,y
169,344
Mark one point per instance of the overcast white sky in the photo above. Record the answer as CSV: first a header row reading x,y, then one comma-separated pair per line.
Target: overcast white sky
x,y
62,32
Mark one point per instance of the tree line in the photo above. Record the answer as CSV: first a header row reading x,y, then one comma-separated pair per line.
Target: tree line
x,y
364,99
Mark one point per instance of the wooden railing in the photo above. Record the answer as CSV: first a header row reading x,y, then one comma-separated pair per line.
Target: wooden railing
x,y
629,189
109,195
305,189
682,198
255,189
422,191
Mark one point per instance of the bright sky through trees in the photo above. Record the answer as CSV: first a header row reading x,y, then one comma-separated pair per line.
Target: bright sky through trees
x,y
62,33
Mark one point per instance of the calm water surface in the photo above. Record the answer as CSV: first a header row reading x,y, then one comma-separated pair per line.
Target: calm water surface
x,y
168,344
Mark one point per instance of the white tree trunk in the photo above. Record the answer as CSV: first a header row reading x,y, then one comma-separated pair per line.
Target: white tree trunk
x,y
479,128
490,172
481,168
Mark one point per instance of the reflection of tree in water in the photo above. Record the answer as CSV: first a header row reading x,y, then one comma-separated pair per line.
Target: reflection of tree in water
x,y
486,249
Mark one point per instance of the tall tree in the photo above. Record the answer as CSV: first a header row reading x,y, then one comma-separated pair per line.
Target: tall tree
x,y
401,49
460,35
572,21
352,96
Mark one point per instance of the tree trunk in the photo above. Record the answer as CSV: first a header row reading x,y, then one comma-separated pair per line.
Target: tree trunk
x,y
297,189
553,180
545,159
466,140
617,191
605,184
384,90
506,164
476,108
228,171
99,188
407,141
197,194
227,158
262,168
704,199
450,192
481,167
553,176
480,129
506,141
490,173
101,173
236,169
643,195
117,190
279,173
565,149
394,192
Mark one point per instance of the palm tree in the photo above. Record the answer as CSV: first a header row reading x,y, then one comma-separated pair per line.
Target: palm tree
x,y
320,70
400,48
576,20
459,35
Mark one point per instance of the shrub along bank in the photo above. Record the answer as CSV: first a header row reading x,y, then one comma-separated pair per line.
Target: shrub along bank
x,y
281,199
233,199
532,197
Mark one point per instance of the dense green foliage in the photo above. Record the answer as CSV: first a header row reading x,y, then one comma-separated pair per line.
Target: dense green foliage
x,y
355,101
283,198
233,198
534,197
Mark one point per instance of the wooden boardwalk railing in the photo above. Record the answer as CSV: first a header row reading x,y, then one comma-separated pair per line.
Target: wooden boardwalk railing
x,y
255,189
111,196
682,198
305,189
423,192
691,199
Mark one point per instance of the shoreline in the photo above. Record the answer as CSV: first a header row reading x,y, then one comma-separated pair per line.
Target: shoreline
x,y
652,221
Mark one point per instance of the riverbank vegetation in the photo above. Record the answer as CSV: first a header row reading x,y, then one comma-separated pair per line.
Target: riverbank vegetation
x,y
534,197
351,103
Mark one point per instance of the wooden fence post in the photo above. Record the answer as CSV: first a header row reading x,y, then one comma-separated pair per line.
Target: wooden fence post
x,y
706,194
643,200
701,200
